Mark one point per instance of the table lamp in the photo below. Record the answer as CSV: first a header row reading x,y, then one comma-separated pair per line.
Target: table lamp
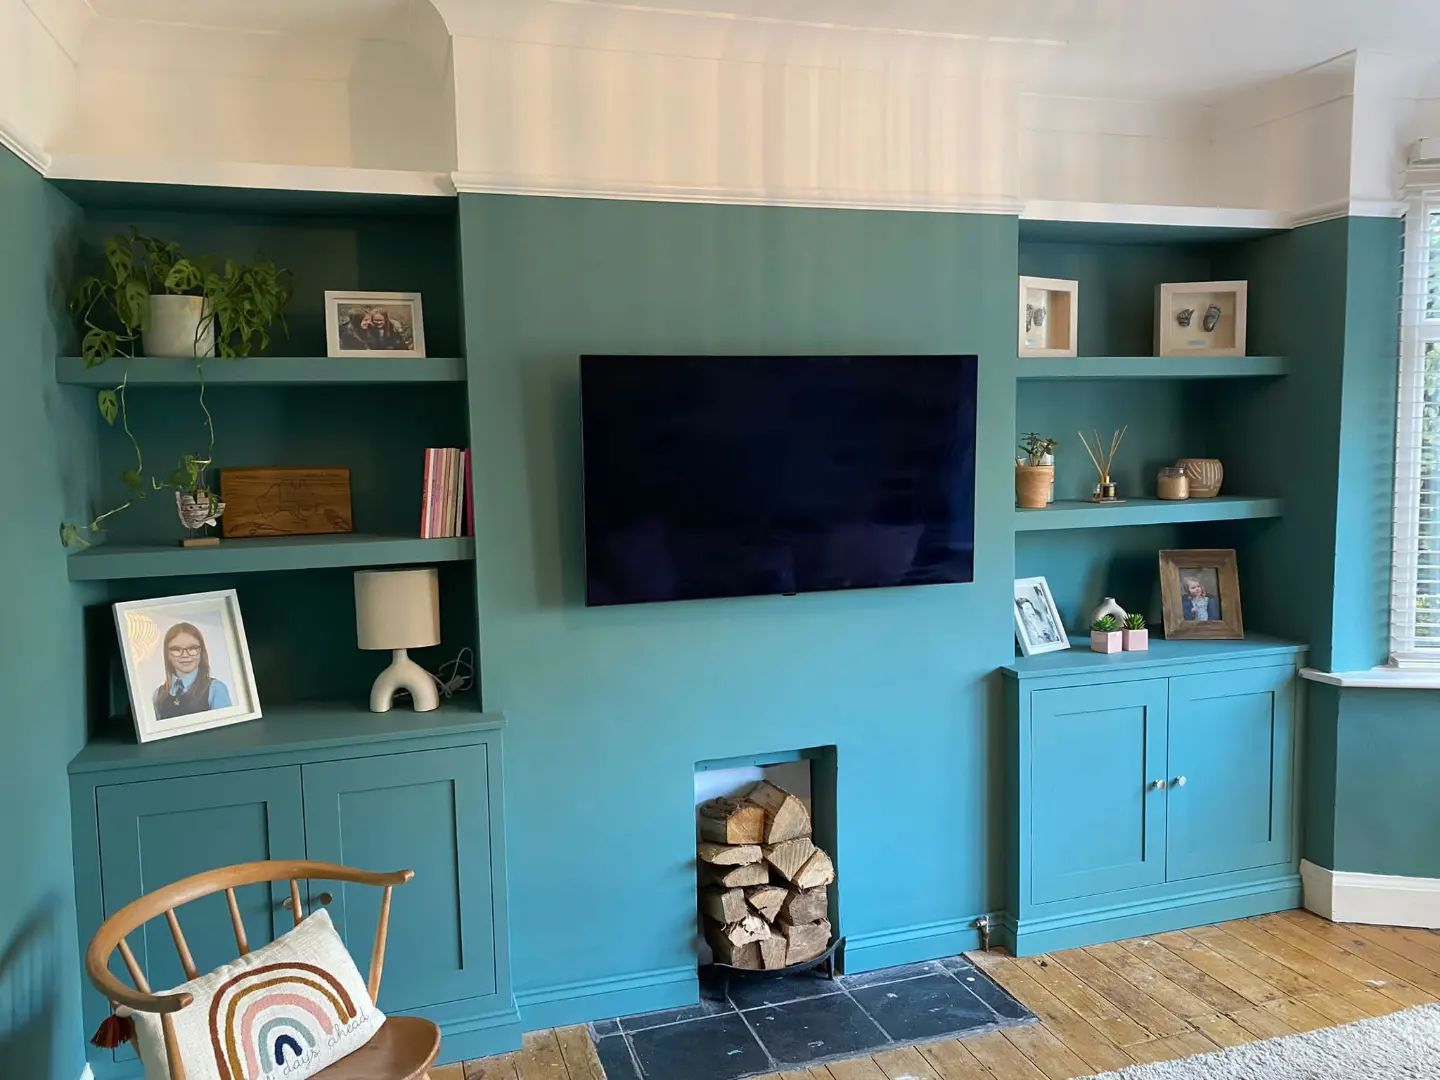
x,y
399,610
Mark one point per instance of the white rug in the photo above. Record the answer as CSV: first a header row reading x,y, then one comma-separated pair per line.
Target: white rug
x,y
1402,1046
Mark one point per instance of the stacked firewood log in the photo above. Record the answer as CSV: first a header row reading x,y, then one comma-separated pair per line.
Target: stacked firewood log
x,y
764,901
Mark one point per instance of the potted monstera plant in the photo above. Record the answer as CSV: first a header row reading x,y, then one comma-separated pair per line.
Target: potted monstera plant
x,y
150,294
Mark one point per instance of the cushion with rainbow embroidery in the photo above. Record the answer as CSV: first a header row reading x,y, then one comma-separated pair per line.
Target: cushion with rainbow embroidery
x,y
285,1011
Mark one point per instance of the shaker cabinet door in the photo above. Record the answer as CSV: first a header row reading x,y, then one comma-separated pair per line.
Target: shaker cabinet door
x,y
1097,822
1231,771
157,831
426,811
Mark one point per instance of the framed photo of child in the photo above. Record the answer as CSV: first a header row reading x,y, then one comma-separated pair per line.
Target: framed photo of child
x,y
187,663
1200,594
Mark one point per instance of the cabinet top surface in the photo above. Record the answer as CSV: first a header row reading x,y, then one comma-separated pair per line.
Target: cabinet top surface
x,y
285,729
1079,660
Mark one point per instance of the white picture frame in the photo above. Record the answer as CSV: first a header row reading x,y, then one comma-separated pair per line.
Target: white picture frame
x,y
1038,626
167,694
1049,318
1226,338
356,324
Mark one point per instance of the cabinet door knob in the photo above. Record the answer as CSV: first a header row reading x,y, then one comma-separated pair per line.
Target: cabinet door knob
x,y
1156,785
323,900
1179,781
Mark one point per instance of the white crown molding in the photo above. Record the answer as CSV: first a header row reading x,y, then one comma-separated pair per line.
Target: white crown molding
x,y
1381,899
487,184
250,175
1146,214
1389,208
25,150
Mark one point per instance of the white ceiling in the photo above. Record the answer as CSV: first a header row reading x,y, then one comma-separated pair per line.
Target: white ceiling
x,y
352,18
1111,48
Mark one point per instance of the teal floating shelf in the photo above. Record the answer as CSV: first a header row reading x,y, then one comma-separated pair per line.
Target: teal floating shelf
x,y
266,371
108,562
1083,514
1052,369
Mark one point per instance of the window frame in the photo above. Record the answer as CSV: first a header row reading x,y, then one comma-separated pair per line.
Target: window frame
x,y
1419,346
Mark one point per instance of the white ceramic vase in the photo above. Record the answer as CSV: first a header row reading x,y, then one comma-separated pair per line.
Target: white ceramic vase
x,y
174,322
1108,606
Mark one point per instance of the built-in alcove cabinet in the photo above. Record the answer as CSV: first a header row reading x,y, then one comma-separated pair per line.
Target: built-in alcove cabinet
x,y
1150,791
394,791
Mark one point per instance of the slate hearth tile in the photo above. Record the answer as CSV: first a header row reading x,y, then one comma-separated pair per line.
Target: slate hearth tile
x,y
716,1048
823,1027
957,963
759,993
980,984
925,1008
600,1028
893,974
615,1058
705,1007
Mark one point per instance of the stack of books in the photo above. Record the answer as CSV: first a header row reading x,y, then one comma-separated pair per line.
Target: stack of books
x,y
445,508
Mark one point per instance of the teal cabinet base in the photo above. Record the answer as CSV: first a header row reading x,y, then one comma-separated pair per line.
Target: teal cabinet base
x,y
1195,907
475,1029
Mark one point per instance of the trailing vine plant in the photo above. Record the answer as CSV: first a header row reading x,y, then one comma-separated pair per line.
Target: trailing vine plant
x,y
242,301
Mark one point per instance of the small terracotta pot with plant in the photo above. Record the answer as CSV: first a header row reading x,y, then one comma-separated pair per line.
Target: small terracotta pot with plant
x,y
1105,635
1136,637
1035,472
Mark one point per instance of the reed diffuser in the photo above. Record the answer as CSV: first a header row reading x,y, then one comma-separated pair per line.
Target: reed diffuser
x,y
1104,462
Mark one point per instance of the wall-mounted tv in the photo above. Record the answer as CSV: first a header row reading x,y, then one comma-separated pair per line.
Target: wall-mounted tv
x,y
710,476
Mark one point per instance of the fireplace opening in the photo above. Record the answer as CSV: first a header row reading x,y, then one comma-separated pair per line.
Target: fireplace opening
x,y
767,877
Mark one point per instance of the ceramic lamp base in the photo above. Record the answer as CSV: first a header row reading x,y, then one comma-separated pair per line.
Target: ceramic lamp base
x,y
404,674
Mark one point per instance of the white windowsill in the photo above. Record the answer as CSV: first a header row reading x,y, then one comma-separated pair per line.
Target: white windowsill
x,y
1385,677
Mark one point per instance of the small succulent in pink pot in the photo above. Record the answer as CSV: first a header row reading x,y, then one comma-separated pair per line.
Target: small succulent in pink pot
x,y
1105,635
1135,637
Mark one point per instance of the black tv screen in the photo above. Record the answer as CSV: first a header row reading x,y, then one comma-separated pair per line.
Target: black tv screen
x,y
712,476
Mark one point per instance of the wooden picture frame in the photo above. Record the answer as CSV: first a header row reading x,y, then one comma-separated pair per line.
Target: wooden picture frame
x,y
1192,299
1200,594
1057,301
167,695
1038,626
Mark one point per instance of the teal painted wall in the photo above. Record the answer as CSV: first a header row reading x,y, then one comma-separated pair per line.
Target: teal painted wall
x,y
47,443
628,699
1387,814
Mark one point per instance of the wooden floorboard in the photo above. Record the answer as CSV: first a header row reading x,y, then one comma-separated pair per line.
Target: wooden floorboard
x,y
1108,1006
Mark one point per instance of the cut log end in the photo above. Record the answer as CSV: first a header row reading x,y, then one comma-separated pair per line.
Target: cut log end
x,y
818,870
785,815
731,821
728,854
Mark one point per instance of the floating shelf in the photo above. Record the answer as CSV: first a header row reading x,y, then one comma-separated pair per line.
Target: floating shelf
x,y
1083,514
108,562
1053,369
266,371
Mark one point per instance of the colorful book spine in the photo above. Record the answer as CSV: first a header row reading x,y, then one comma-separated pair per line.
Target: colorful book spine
x,y
445,502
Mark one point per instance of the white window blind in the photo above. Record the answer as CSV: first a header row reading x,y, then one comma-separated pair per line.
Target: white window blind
x,y
1415,588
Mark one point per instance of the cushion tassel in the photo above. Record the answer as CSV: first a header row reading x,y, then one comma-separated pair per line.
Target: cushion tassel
x,y
113,1031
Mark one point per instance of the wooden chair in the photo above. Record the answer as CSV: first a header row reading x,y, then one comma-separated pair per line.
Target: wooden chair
x,y
403,1049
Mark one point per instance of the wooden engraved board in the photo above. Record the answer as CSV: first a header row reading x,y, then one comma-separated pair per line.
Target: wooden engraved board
x,y
284,501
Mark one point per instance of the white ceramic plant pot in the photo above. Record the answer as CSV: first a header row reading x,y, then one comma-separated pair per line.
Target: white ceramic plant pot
x,y
174,321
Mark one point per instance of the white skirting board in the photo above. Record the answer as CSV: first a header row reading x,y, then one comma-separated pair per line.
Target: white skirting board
x,y
1344,896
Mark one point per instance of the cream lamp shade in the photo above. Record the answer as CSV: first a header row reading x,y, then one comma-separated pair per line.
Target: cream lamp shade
x,y
399,610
